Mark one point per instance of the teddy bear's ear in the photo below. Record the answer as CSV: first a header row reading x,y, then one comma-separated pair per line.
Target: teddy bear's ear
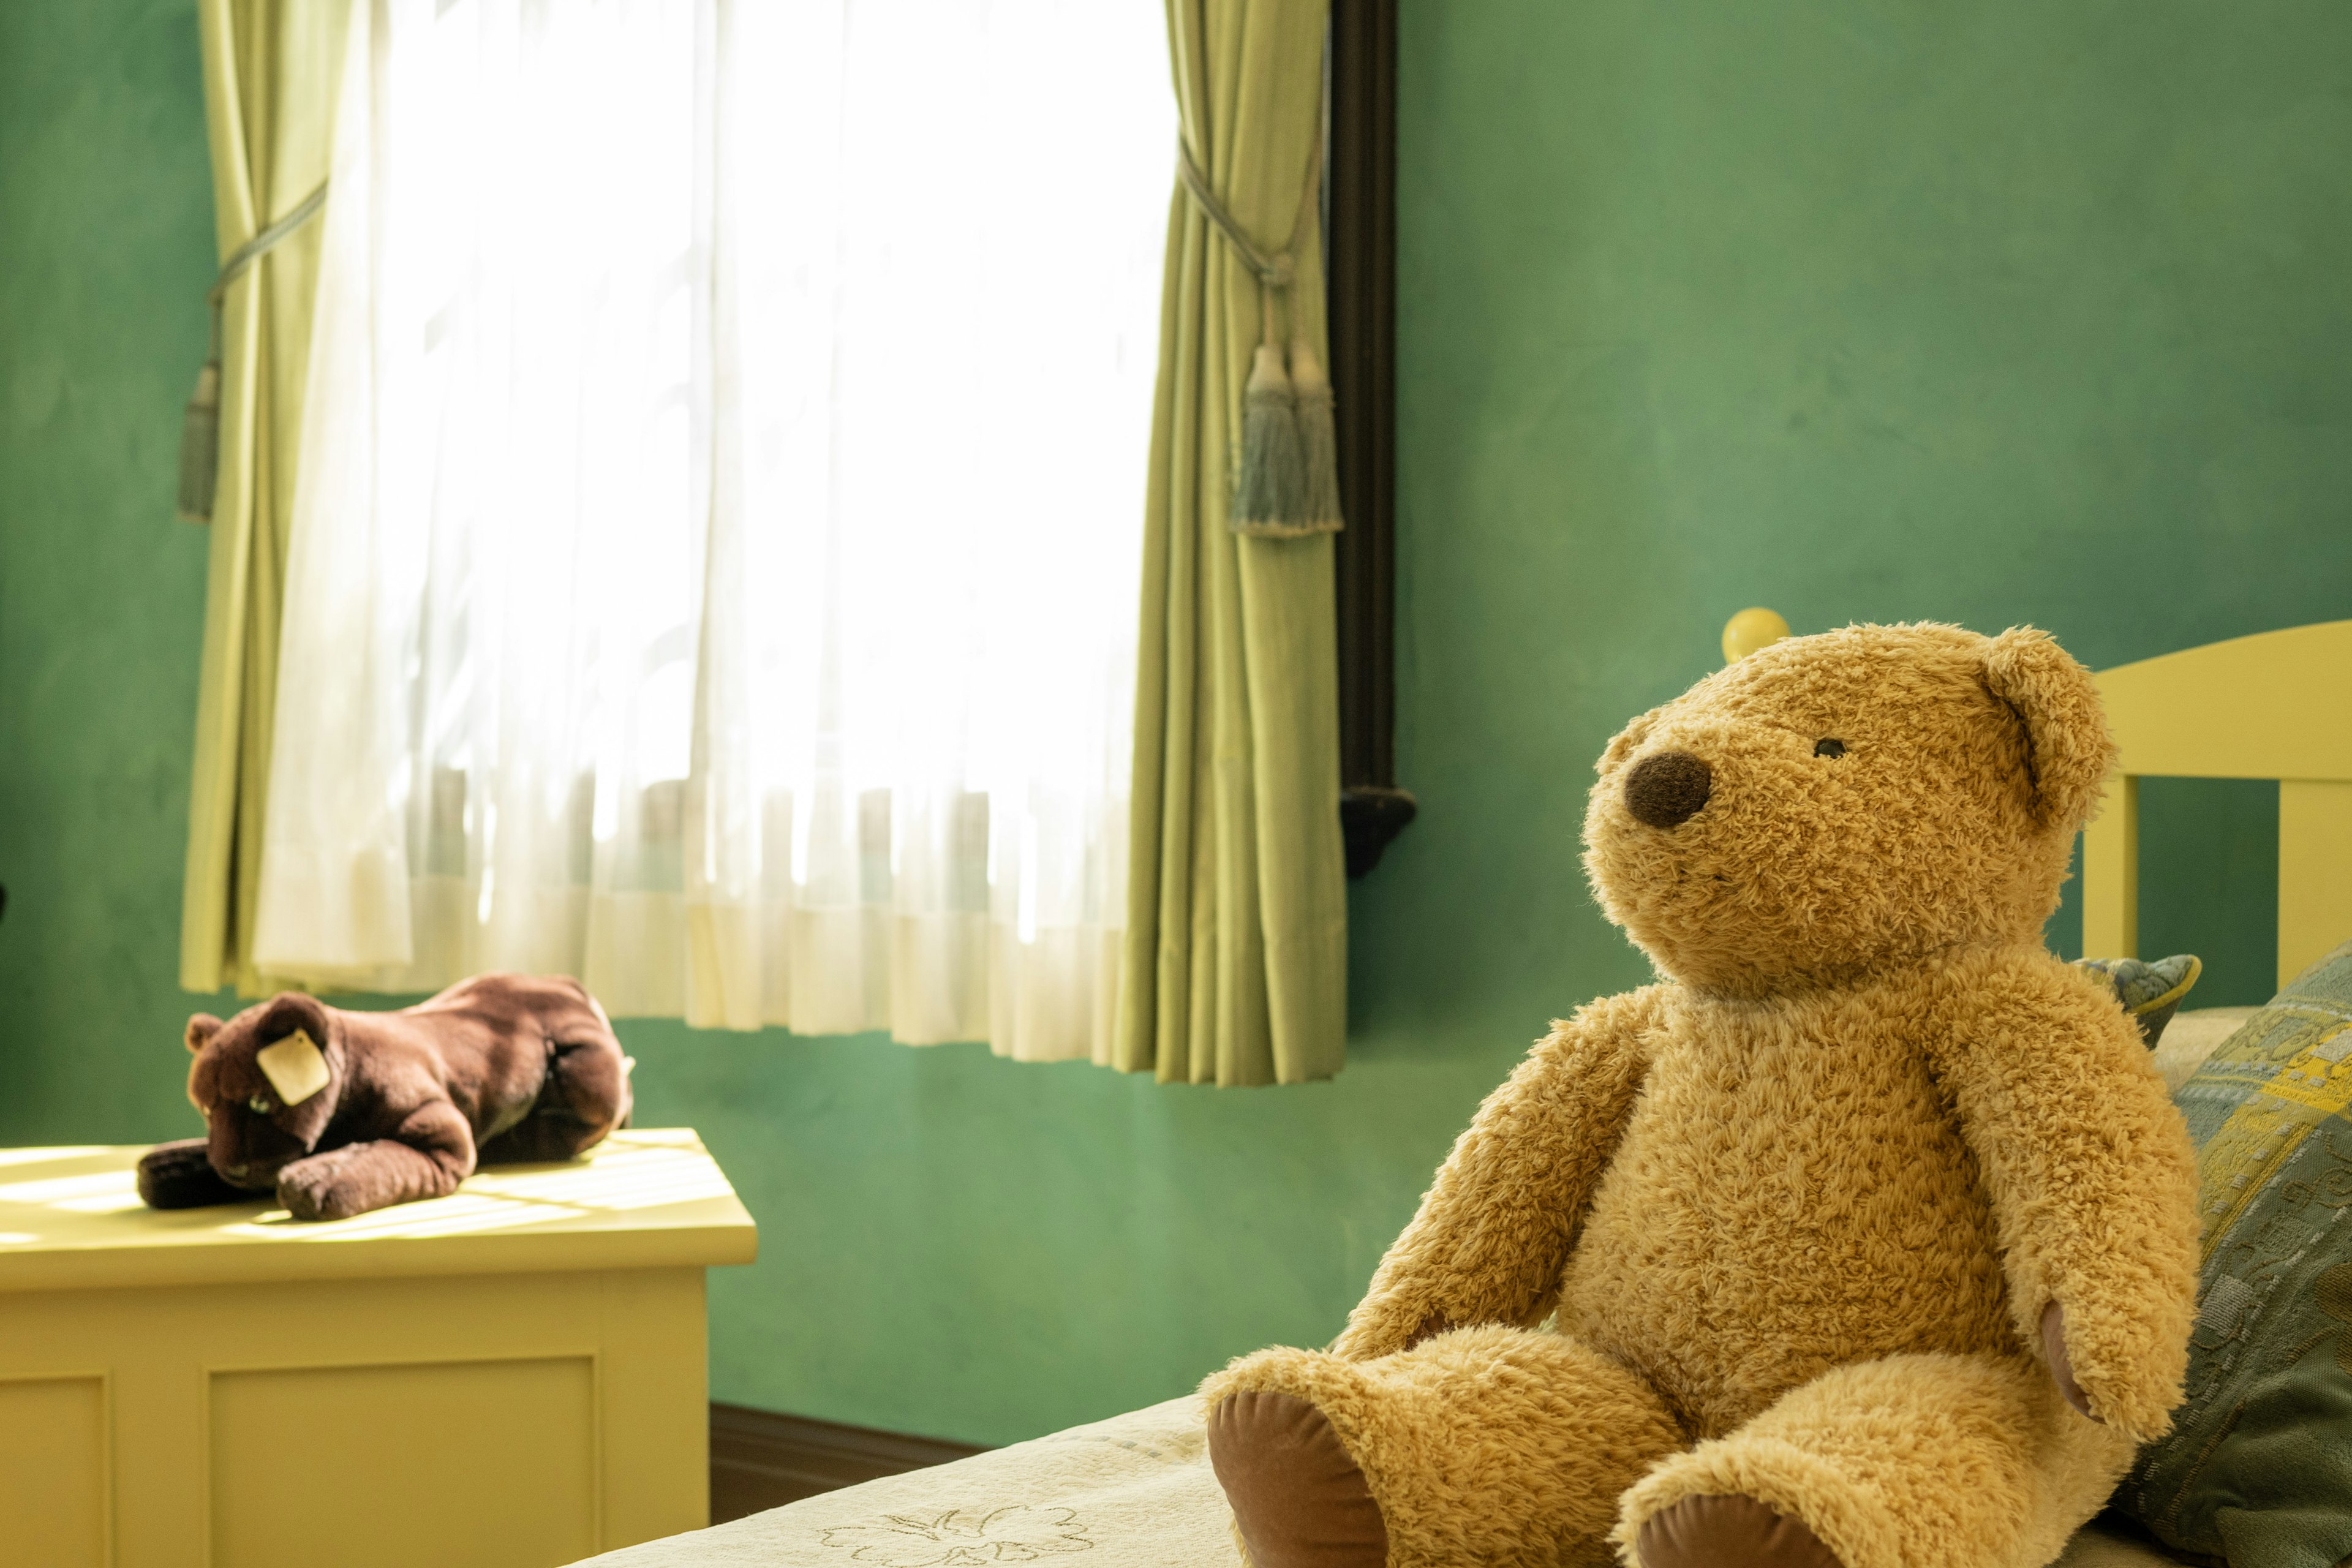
x,y
1623,743
2067,751
202,1028
291,1010
301,1055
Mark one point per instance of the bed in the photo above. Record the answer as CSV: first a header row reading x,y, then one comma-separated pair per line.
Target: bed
x,y
2264,706
1135,1491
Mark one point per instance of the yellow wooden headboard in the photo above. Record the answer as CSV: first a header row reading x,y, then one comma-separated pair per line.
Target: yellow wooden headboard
x,y
2277,706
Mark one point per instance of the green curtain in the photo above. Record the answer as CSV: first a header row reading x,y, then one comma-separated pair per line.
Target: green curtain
x,y
1235,967
271,67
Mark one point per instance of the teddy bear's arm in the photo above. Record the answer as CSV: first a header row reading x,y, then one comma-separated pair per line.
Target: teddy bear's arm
x,y
2092,1179
1494,1232
428,1153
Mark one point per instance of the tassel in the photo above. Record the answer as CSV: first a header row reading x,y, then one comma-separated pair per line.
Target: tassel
x,y
200,426
1318,446
1266,490
200,443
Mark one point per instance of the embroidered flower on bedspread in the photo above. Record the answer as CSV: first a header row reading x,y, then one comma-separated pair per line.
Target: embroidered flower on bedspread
x,y
961,1538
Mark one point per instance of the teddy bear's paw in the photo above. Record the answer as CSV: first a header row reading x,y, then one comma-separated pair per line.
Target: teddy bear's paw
x,y
2062,1365
2136,1407
180,1175
1703,1532
2139,1407
1298,1500
319,1188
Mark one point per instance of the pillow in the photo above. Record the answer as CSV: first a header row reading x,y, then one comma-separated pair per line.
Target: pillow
x,y
2194,1034
2258,1466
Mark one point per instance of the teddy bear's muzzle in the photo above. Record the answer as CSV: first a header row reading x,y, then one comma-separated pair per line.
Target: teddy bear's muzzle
x,y
252,1176
1668,789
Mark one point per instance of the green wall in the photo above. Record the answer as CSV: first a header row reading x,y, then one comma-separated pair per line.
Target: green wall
x,y
1992,312
106,246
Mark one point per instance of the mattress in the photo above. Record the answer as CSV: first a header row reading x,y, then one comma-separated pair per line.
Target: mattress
x,y
1134,1492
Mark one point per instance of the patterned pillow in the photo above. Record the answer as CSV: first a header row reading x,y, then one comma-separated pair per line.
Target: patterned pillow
x,y
2258,1466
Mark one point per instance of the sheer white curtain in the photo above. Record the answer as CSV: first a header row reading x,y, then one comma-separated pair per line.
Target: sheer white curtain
x,y
714,569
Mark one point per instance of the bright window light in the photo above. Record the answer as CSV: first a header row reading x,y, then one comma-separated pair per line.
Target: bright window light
x,y
717,541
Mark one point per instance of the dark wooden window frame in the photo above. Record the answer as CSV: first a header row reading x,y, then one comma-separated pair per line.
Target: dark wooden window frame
x,y
1359,270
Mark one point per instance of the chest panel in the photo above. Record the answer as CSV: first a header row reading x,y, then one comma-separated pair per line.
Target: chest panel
x,y
1792,1191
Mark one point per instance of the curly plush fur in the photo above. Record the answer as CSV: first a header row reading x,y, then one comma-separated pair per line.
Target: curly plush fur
x,y
500,1066
1795,1213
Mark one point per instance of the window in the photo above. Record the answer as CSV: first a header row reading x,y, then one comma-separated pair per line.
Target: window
x,y
1360,180
714,564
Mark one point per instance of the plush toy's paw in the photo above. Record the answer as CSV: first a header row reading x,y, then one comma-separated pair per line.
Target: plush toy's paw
x,y
2112,1388
2062,1365
1705,1532
322,1187
179,1176
1298,1500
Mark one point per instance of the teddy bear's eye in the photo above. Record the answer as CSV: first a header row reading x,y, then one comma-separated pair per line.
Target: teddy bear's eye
x,y
258,1105
1828,748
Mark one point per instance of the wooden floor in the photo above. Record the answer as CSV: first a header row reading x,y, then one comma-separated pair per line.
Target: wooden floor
x,y
762,1460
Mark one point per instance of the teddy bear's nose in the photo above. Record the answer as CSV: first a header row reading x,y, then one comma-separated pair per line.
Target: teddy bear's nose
x,y
1668,789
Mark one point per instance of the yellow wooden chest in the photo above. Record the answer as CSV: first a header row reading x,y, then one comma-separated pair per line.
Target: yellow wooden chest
x,y
511,1376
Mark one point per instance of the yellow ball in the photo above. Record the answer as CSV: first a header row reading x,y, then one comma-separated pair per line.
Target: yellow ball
x,y
1751,629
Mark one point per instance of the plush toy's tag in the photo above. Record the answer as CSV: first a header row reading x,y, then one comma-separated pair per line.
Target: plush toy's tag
x,y
295,1068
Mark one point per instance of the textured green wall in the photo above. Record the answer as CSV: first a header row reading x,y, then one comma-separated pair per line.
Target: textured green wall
x,y
105,241
1990,312
1993,312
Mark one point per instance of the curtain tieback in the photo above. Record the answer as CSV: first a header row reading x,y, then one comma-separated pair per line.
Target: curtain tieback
x,y
200,426
1287,483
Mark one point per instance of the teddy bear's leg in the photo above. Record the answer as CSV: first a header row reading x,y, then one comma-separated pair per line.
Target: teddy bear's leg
x,y
584,1096
1491,1446
1913,1461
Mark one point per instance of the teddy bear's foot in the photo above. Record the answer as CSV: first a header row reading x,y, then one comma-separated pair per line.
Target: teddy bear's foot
x,y
1298,1500
583,1099
1501,1447
1706,1532
1910,1461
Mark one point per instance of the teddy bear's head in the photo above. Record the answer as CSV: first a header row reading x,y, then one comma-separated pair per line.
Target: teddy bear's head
x,y
1835,803
267,1082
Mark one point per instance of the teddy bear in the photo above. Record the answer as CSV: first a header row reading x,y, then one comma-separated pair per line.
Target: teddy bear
x,y
342,1112
1864,1237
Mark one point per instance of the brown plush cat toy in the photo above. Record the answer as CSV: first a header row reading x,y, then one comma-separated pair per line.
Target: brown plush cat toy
x,y
344,1112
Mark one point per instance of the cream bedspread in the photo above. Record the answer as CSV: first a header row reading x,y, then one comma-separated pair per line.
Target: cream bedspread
x,y
1134,1492
1134,1489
